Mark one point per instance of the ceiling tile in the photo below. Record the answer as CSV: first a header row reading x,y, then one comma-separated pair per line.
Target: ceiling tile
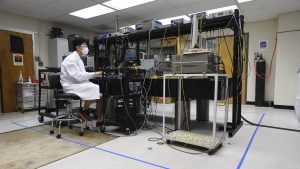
x,y
75,21
256,11
100,1
66,18
205,6
110,20
17,6
39,2
192,7
162,15
178,3
44,13
111,17
144,9
68,6
57,10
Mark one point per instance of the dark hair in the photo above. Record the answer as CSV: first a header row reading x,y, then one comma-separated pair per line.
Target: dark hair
x,y
78,41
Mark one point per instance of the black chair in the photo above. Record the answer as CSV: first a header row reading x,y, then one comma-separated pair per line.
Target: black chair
x,y
66,99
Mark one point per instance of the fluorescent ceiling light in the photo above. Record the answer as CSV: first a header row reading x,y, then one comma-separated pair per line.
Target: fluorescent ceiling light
x,y
123,4
168,20
233,7
242,1
92,11
132,26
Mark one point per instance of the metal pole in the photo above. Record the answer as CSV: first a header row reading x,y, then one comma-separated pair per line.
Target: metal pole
x,y
164,103
235,73
179,105
215,109
226,105
194,31
117,23
240,41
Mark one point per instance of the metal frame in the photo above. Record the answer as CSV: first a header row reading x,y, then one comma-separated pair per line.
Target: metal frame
x,y
236,24
216,77
68,117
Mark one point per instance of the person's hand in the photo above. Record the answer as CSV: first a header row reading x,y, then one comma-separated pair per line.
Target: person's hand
x,y
98,74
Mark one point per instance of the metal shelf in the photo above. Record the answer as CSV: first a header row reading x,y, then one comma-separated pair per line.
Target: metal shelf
x,y
28,96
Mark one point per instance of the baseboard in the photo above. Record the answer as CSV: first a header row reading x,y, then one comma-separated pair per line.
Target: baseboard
x,y
266,104
283,107
250,103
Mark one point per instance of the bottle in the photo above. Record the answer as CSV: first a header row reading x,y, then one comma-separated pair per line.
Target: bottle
x,y
29,80
20,77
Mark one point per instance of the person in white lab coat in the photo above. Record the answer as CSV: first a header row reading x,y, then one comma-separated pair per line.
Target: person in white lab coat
x,y
75,79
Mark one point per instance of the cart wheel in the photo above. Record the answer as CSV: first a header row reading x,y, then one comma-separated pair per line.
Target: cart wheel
x,y
51,131
102,129
58,136
81,133
168,141
41,119
127,131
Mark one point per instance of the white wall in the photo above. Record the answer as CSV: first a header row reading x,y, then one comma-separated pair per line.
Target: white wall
x,y
39,29
289,21
258,31
288,58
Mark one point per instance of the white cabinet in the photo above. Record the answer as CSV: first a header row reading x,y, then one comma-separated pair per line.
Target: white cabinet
x,y
28,96
57,47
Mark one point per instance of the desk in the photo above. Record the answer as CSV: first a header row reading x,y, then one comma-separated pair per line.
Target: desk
x,y
213,146
191,86
110,86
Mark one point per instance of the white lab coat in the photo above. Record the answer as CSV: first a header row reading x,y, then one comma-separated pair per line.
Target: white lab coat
x,y
75,79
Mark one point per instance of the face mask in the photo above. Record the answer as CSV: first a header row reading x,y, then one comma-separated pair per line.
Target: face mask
x,y
85,51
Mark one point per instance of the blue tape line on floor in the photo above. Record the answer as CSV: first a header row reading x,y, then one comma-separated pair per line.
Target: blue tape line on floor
x,y
249,144
88,146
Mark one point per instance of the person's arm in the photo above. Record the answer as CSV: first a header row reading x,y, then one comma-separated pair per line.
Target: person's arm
x,y
73,70
98,74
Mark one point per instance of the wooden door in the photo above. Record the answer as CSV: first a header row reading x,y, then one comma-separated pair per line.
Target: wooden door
x,y
10,72
227,54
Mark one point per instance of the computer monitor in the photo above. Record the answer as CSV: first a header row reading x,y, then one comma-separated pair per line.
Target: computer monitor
x,y
131,55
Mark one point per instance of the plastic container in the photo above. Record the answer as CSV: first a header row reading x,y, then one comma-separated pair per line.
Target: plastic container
x,y
20,77
29,80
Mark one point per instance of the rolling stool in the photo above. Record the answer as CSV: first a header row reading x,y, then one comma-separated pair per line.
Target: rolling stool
x,y
54,82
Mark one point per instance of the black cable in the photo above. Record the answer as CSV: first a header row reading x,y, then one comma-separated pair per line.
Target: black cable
x,y
156,126
267,126
133,122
